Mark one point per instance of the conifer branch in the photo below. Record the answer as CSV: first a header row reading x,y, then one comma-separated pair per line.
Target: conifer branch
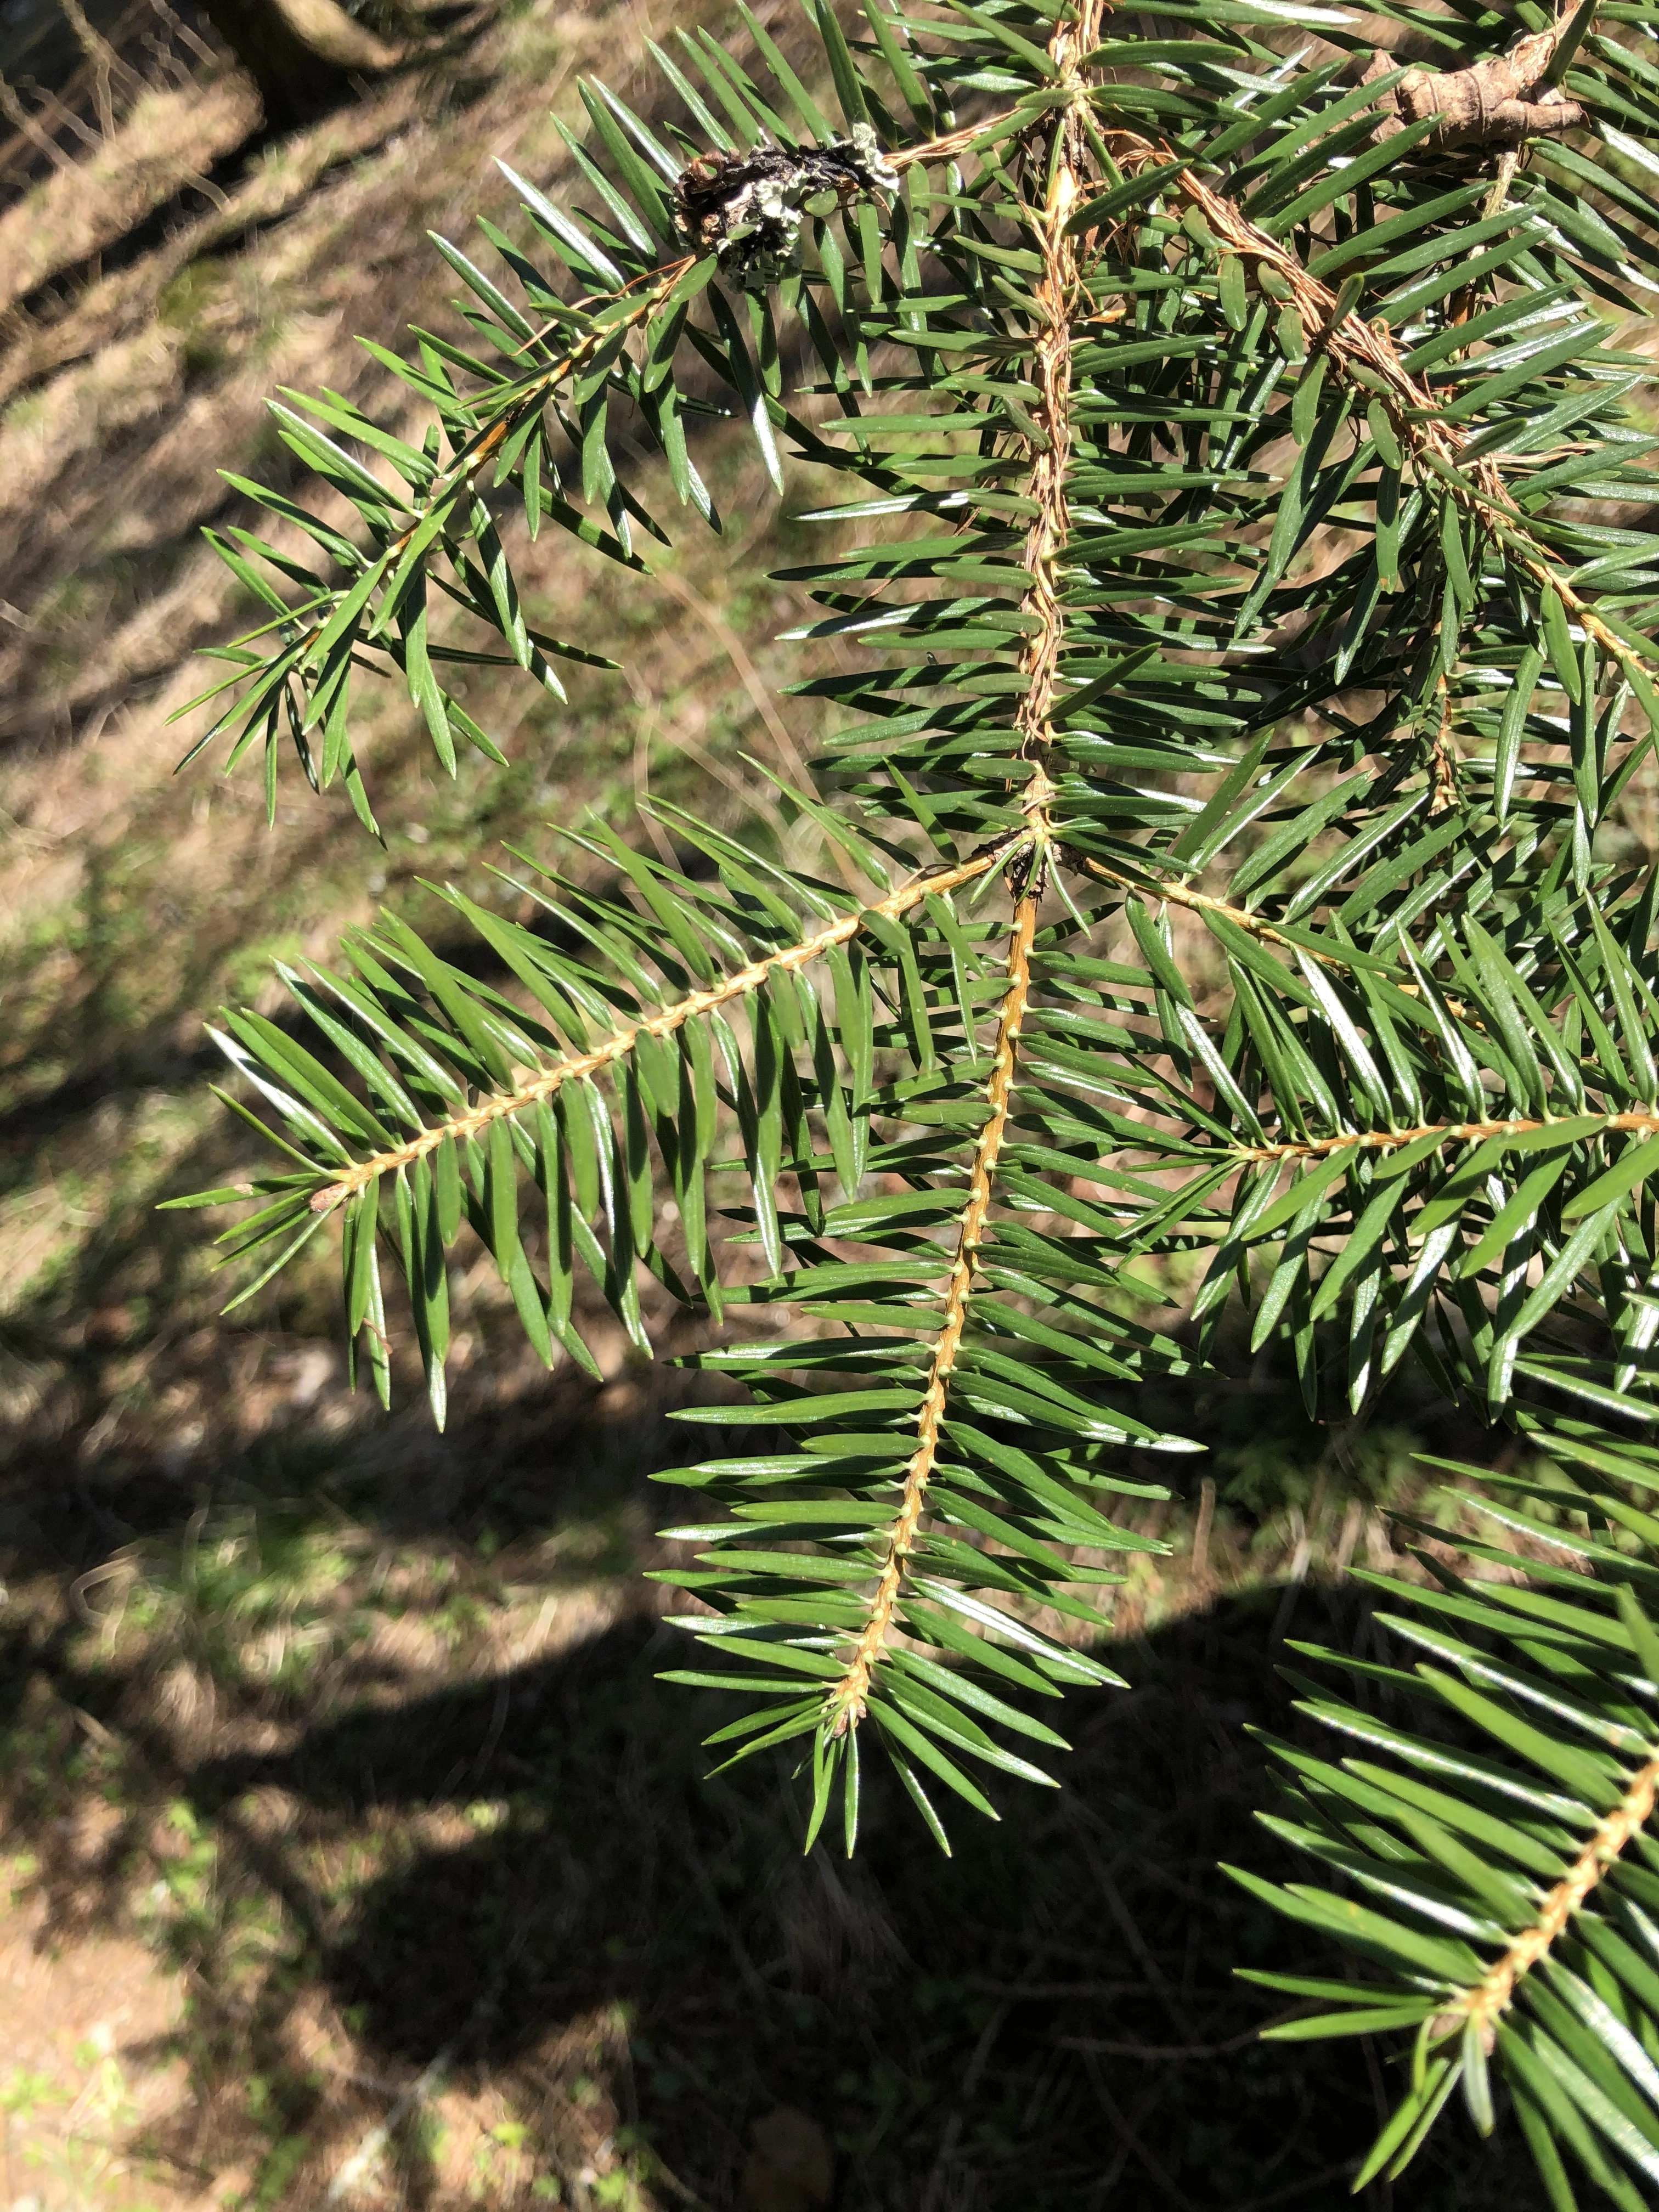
x,y
1636,1123
664,1023
1045,541
845,1706
1104,461
1365,356
1051,456
1484,2005
1171,892
1362,353
462,472
1170,889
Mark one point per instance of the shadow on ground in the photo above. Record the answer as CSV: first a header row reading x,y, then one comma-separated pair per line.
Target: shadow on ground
x,y
356,1728
514,1884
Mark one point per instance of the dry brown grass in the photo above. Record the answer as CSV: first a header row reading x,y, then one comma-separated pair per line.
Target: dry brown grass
x,y
172,138
120,412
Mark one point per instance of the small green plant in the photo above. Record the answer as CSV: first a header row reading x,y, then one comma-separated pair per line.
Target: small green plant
x,y
1231,891
24,2093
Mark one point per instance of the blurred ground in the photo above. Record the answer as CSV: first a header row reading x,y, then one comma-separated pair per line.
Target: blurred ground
x,y
353,1854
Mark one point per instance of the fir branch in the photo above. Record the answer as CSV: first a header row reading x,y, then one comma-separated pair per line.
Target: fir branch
x,y
1365,356
1641,1124
546,1082
1482,2007
1419,1085
463,472
1170,891
1050,454
1460,1854
1050,459
845,1705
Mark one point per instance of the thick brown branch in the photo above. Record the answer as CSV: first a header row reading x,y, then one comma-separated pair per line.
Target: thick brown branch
x,y
845,1706
1504,99
664,1022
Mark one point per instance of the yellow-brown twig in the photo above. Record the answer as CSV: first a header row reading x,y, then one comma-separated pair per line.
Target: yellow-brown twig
x,y
1494,1993
489,442
844,1707
1443,759
1170,890
1449,1133
483,449
1364,354
664,1023
1178,894
1045,542
1051,455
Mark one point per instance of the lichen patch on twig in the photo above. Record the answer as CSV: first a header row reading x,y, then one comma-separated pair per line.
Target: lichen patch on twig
x,y
749,207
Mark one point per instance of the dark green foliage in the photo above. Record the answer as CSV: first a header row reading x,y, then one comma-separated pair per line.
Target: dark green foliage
x,y
1258,539
1499,1885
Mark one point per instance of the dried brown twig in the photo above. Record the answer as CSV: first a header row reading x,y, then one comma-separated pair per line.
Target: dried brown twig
x,y
1503,100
